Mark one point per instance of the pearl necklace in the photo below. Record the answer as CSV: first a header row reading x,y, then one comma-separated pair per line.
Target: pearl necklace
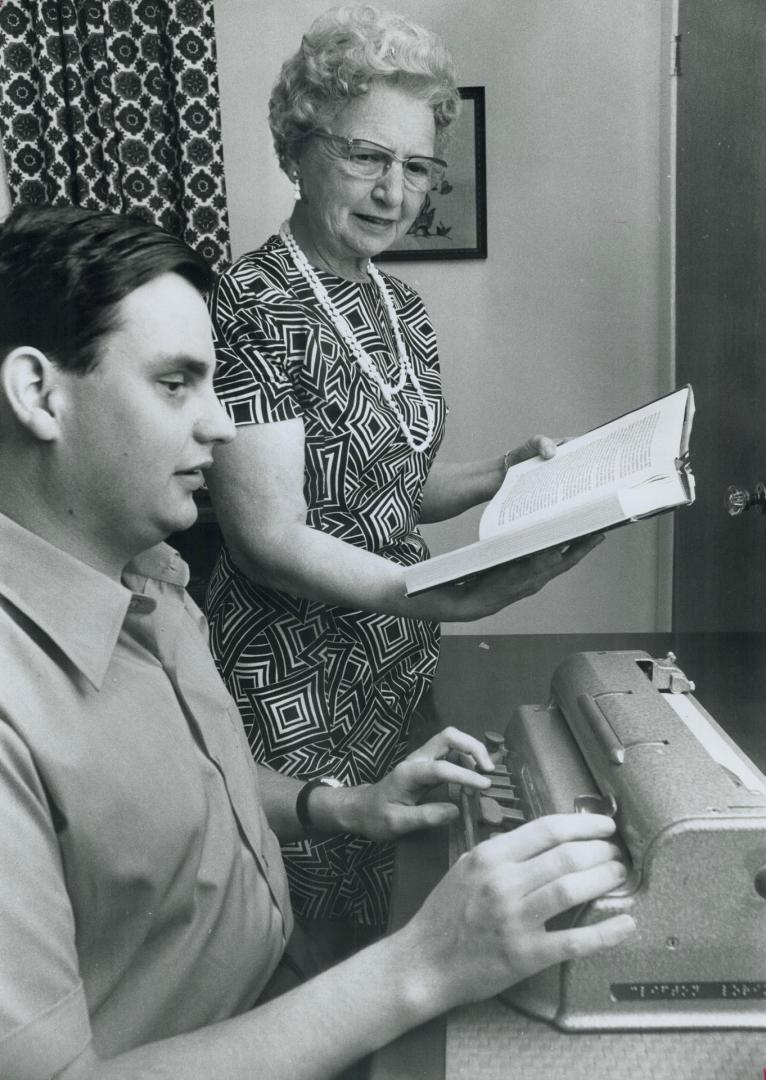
x,y
363,359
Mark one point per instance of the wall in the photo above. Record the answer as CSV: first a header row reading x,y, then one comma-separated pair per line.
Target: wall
x,y
5,195
562,326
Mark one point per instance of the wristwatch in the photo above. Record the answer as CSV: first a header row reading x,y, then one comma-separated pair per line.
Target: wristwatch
x,y
302,802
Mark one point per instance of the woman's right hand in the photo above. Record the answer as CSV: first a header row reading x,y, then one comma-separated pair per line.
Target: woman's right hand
x,y
495,589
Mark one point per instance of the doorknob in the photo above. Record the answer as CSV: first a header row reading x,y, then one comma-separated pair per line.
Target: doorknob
x,y
739,499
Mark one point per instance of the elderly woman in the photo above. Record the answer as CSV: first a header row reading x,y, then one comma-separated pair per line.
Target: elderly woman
x,y
329,368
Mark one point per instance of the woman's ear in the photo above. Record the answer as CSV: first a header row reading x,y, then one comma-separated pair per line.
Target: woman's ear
x,y
29,380
292,170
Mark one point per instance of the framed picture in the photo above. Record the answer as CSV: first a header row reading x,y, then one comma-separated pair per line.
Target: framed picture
x,y
452,222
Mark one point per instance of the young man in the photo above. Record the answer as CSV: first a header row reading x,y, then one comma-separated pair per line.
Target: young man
x,y
143,905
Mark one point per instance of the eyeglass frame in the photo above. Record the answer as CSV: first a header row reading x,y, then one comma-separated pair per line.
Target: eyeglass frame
x,y
349,144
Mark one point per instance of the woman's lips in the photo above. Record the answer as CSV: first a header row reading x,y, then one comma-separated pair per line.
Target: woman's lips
x,y
378,222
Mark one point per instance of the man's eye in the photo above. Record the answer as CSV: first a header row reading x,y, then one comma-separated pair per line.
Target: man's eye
x,y
418,168
173,383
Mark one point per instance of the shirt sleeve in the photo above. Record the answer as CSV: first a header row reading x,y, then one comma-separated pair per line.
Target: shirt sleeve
x,y
44,1023
258,327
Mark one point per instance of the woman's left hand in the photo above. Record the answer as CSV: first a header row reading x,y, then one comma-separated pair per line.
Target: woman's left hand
x,y
535,446
393,805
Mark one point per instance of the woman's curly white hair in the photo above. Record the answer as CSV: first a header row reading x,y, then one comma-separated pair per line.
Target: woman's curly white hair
x,y
344,51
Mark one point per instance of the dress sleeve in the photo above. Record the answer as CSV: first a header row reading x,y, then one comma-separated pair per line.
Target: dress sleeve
x,y
255,327
44,1023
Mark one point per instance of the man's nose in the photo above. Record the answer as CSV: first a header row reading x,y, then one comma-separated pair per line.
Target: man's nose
x,y
214,425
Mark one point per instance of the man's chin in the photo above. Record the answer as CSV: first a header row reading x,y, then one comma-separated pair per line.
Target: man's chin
x,y
179,521
185,519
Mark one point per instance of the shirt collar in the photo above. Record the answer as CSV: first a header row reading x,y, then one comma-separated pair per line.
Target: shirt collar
x,y
80,609
159,563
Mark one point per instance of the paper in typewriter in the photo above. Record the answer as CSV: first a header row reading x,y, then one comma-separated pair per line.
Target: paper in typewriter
x,y
718,748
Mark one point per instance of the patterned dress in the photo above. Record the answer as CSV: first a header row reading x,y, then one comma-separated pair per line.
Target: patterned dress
x,y
324,690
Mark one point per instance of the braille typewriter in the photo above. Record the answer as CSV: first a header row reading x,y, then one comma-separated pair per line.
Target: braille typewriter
x,y
622,734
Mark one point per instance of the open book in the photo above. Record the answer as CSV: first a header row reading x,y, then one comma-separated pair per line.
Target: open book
x,y
630,468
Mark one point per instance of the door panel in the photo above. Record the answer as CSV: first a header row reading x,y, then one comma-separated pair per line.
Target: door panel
x,y
720,562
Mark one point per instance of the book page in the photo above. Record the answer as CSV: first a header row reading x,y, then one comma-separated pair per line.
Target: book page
x,y
632,467
625,452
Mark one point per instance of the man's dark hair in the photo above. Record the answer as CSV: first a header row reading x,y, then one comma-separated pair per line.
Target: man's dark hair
x,y
64,270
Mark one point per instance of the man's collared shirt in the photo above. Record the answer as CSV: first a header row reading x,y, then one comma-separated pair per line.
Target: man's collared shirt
x,y
142,892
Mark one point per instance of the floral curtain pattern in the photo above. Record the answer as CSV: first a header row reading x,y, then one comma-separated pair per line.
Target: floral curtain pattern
x,y
114,105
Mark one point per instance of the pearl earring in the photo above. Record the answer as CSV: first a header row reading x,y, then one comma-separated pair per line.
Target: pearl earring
x,y
296,179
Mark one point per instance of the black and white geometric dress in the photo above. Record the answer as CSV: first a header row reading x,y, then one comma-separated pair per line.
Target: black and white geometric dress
x,y
324,690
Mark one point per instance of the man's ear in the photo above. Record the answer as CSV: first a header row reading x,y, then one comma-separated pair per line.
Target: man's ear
x,y
29,380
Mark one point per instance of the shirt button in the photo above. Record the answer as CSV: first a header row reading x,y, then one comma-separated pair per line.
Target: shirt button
x,y
142,605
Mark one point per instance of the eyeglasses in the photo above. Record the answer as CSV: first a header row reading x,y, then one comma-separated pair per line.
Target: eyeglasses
x,y
371,161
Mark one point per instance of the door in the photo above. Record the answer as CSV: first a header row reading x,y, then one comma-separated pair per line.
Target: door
x,y
720,561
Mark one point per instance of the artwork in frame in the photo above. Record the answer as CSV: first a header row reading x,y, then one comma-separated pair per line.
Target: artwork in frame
x,y
452,222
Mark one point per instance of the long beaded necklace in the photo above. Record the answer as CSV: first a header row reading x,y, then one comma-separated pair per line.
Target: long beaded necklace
x,y
363,359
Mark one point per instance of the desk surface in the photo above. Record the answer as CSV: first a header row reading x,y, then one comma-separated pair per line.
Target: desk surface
x,y
479,682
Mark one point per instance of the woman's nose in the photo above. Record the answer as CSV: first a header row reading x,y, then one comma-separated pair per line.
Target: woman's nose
x,y
390,186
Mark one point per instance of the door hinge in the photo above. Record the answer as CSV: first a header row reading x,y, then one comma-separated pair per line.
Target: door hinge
x,y
675,63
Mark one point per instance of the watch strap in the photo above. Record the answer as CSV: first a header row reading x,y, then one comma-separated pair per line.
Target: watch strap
x,y
302,802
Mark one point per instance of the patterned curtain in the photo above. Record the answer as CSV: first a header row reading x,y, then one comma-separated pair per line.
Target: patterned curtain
x,y
114,105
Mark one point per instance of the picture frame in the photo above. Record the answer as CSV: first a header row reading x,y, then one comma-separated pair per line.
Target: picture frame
x,y
452,222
